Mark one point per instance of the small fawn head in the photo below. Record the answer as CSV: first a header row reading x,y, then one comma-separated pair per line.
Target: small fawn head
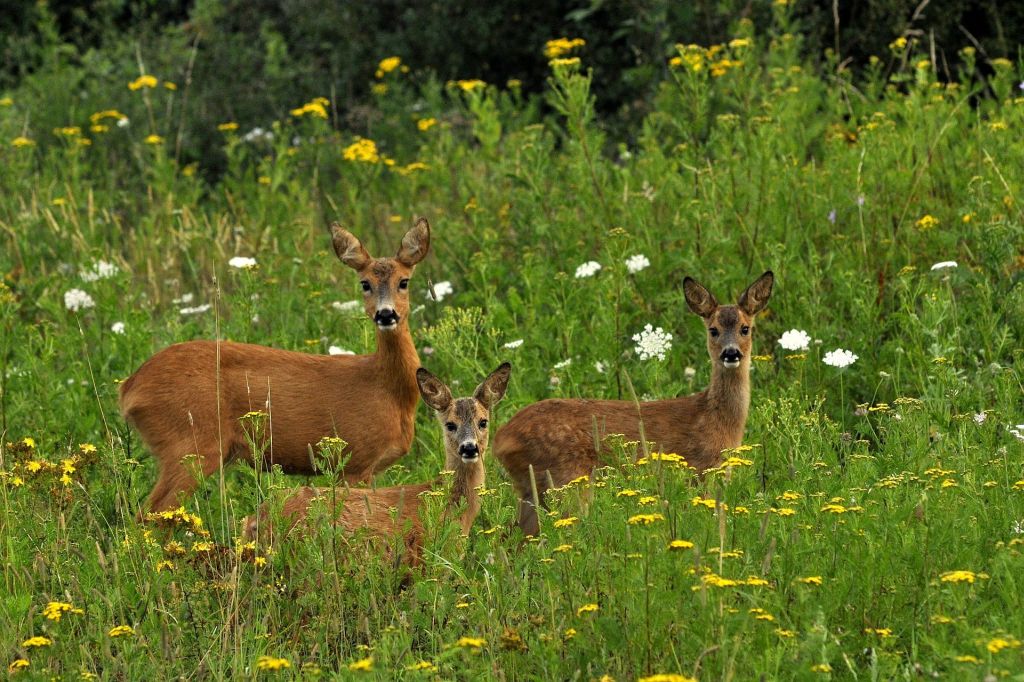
x,y
385,280
464,419
729,326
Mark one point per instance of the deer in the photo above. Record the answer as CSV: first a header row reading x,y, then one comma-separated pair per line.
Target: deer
x,y
186,400
552,442
397,511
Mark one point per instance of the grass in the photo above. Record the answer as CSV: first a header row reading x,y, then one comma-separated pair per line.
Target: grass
x,y
870,529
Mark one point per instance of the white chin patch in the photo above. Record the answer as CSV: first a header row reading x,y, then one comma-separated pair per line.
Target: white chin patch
x,y
470,460
731,364
387,327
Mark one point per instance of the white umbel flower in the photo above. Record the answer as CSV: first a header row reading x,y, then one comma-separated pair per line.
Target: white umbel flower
x,y
442,289
195,310
651,342
99,270
76,299
117,327
242,262
637,263
795,339
511,345
945,264
338,350
347,306
839,358
588,269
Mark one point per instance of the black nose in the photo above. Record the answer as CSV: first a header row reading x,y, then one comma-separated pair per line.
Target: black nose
x,y
731,355
386,316
469,451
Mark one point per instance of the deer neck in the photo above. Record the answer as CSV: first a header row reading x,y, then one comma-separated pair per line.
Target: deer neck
x,y
466,481
729,392
398,360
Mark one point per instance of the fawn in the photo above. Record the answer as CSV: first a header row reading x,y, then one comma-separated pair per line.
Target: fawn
x,y
388,512
556,437
187,399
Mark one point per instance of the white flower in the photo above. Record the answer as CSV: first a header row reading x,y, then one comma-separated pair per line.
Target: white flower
x,y
636,263
689,372
242,262
945,264
563,364
588,269
196,310
980,418
652,342
99,270
347,306
185,298
600,367
839,358
76,299
1018,527
514,344
1017,431
795,339
337,350
257,134
442,289
117,327
123,122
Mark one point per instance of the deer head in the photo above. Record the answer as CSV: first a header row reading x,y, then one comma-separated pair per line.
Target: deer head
x,y
464,419
729,327
385,281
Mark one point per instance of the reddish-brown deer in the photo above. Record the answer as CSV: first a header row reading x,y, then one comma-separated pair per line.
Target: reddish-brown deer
x,y
187,399
556,437
394,511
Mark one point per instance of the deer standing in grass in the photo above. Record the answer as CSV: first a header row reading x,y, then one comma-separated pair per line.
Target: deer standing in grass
x,y
389,512
187,399
556,437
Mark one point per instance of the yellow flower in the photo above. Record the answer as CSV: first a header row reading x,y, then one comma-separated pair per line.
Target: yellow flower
x,y
821,668
471,642
666,677
939,619
379,88
560,46
316,107
22,141
68,131
645,519
628,492
881,632
565,523
811,580
898,44
926,222
514,84
736,462
168,85
263,179
736,43
754,581
569,633
564,61
784,511
471,85
997,644
271,663
29,442
967,659
958,577
422,666
411,168
33,466
6,101
562,548
142,82
1001,63
388,65
425,124
587,608
17,664
787,634
154,139
680,544
647,500
37,641
227,127
362,665
362,150
55,609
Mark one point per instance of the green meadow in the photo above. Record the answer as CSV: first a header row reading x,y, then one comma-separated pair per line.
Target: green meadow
x,y
871,527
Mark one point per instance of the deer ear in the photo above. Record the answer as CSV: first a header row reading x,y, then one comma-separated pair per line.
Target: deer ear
x,y
348,248
492,389
755,298
434,392
698,298
415,244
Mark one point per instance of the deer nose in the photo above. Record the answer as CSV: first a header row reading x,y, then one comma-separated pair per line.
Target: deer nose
x,y
386,317
731,355
469,451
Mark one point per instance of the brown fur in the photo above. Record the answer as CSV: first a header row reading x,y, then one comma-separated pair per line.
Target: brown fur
x,y
556,437
368,400
388,512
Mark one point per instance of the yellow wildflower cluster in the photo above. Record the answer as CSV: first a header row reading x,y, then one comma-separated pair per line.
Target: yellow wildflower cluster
x,y
587,608
36,642
666,677
425,124
55,610
272,663
387,66
173,518
22,141
411,168
680,544
926,222
470,85
316,107
997,644
470,642
693,57
361,151
565,523
228,127
121,631
962,576
363,665
144,81
645,519
561,46
564,62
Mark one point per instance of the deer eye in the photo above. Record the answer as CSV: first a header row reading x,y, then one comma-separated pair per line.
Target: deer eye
x,y
365,285
483,423
744,330
713,331
451,426
403,284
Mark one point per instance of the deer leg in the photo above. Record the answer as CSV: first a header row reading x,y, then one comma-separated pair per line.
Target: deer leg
x,y
176,480
528,521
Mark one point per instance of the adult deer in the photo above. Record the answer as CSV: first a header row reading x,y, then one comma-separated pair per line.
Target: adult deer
x,y
556,437
187,399
394,511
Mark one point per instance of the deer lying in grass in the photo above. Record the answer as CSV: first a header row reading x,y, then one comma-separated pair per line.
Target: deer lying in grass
x,y
187,399
556,437
389,512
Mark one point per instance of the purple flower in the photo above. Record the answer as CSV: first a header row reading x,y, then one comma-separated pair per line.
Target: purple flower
x,y
832,216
